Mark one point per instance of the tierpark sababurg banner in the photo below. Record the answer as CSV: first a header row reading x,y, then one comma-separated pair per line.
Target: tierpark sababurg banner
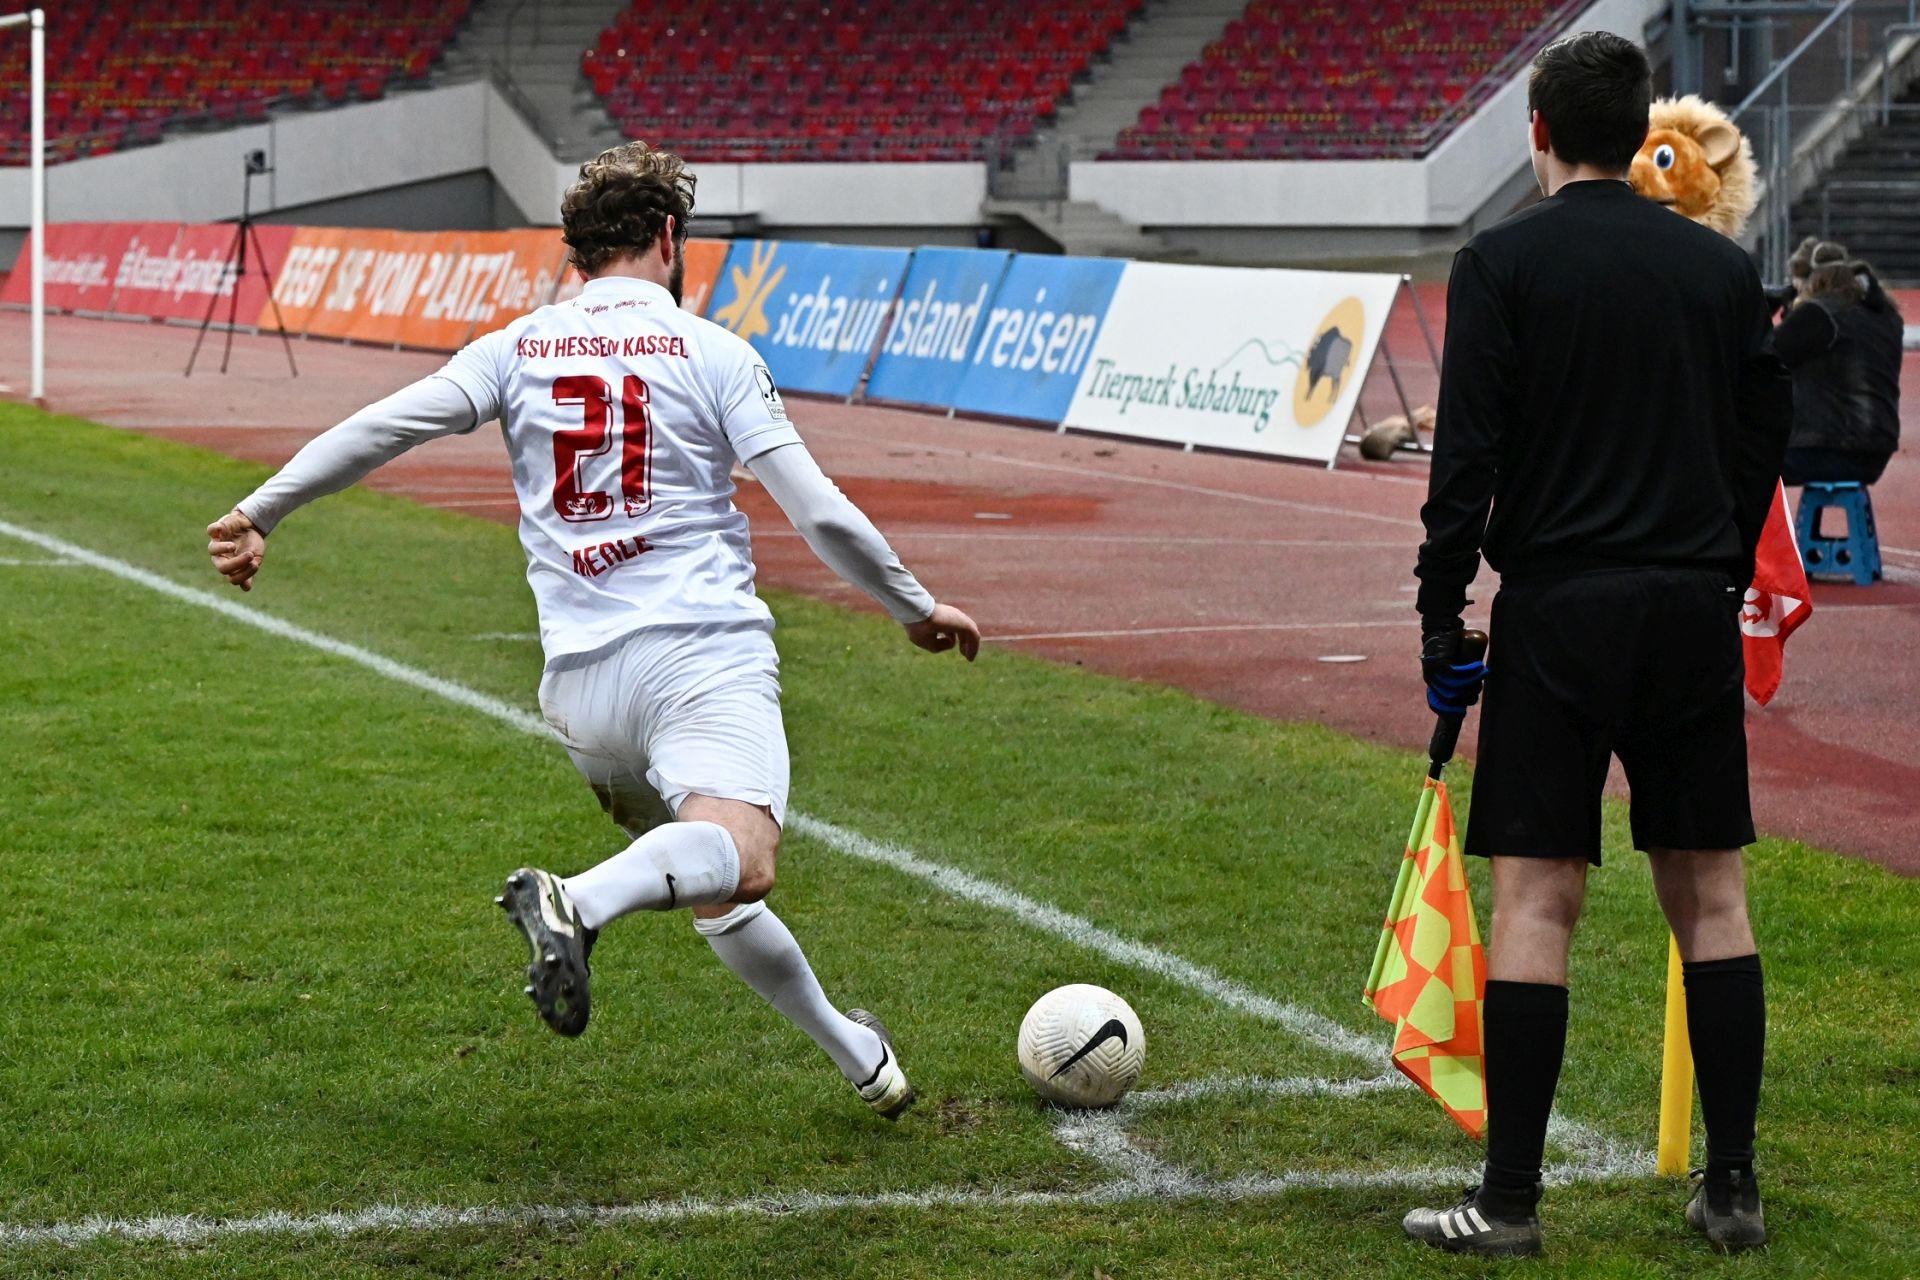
x,y
1252,359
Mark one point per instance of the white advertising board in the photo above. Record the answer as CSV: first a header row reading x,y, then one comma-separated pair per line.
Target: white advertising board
x,y
1259,360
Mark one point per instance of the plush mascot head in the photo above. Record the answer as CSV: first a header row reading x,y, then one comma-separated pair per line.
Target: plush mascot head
x,y
1696,163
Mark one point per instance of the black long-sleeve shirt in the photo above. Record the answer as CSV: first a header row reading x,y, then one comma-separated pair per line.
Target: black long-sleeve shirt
x,y
1608,391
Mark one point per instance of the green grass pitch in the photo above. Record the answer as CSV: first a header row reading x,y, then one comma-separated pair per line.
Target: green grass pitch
x,y
251,966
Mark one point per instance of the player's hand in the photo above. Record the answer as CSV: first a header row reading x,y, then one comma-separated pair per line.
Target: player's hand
x,y
1453,681
945,628
237,548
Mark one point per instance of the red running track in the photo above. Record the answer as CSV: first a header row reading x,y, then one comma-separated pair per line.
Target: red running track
x,y
1230,577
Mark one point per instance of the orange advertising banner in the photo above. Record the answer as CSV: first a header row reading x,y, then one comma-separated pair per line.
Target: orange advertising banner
x,y
430,289
346,300
303,276
469,275
437,290
526,282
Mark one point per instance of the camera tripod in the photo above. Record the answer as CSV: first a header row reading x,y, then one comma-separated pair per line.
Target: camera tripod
x,y
243,236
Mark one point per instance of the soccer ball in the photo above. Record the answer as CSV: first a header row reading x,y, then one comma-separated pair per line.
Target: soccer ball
x,y
1081,1046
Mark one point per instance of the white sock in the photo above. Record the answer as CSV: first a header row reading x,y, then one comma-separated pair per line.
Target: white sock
x,y
752,941
678,864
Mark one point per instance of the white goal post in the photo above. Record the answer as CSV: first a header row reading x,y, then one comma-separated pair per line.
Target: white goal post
x,y
36,21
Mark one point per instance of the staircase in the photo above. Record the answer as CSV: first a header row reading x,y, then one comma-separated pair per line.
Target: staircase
x,y
538,44
1030,183
1869,200
1159,44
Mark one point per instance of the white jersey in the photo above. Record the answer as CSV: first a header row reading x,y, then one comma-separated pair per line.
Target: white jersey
x,y
623,416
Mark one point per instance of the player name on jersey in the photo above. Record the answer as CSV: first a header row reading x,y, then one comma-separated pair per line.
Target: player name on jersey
x,y
592,561
601,346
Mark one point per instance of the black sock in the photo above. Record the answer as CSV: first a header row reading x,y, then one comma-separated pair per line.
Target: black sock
x,y
1727,1024
1526,1036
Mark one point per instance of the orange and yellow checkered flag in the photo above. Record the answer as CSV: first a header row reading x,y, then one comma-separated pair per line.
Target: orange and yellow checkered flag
x,y
1429,975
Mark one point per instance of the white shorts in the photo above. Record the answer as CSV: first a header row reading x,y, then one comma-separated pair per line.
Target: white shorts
x,y
671,712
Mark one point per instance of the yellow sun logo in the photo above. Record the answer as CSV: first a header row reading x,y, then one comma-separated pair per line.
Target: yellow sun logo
x,y
746,315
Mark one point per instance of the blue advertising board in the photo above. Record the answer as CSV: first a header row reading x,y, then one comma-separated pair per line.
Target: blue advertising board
x,y
814,311
943,310
1032,346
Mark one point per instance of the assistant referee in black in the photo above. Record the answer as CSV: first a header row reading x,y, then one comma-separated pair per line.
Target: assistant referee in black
x,y
1611,428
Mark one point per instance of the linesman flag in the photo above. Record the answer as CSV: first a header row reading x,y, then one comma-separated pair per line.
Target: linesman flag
x,y
1778,601
1429,975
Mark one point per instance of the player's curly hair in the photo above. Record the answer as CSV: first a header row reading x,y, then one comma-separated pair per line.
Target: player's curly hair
x,y
622,202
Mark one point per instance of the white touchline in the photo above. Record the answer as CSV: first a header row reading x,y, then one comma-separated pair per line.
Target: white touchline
x,y
1054,533
193,1229
1600,1156
1307,1025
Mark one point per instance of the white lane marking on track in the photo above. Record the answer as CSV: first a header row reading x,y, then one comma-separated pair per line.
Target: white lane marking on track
x,y
1120,632
1897,573
1155,482
49,562
1053,533
1600,1156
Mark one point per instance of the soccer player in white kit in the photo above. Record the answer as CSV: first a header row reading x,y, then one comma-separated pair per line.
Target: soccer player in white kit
x,y
623,416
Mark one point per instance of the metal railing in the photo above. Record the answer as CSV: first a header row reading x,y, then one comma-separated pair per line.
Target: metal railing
x,y
507,45
1849,62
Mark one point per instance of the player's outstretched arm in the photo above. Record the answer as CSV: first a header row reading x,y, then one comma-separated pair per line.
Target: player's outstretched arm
x,y
330,462
846,542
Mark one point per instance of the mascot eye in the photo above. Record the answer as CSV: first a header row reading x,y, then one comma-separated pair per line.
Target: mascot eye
x,y
1663,157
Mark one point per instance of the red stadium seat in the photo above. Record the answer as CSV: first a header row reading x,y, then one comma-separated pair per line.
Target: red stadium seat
x,y
133,66
1325,80
893,79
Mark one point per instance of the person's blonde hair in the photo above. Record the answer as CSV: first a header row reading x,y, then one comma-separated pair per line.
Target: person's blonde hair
x,y
622,202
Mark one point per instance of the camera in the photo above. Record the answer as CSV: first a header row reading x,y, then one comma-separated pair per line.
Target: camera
x,y
257,162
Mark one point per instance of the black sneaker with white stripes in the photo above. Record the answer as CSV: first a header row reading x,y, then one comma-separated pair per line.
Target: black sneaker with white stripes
x,y
1469,1228
558,943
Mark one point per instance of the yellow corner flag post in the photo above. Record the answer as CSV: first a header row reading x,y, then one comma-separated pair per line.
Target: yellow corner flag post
x,y
1676,1076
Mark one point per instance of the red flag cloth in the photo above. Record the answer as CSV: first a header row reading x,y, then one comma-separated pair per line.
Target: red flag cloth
x,y
1777,603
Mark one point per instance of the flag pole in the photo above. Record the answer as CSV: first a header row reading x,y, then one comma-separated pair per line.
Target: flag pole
x,y
1676,1076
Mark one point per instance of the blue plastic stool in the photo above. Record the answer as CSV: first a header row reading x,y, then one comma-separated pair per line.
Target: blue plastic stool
x,y
1855,556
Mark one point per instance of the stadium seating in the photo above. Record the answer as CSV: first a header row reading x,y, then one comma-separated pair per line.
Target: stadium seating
x,y
1318,80
119,71
853,80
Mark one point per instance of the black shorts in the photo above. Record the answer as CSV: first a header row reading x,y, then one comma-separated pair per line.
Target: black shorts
x,y
1644,664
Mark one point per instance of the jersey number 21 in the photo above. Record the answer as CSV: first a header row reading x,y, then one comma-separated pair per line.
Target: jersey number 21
x,y
575,446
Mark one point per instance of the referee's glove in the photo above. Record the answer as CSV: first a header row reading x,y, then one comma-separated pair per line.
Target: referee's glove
x,y
1453,685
